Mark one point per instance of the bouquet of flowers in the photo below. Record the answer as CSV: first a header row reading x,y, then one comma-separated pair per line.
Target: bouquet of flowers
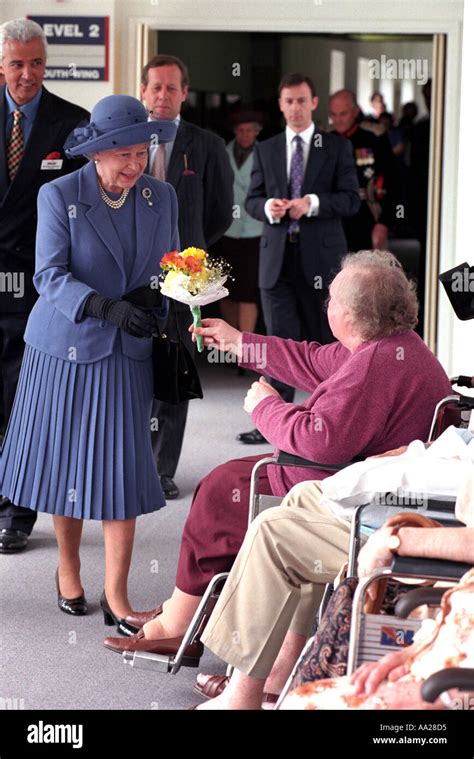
x,y
192,277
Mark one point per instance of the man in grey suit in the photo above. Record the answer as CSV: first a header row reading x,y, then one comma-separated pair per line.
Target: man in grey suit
x,y
34,125
197,166
303,182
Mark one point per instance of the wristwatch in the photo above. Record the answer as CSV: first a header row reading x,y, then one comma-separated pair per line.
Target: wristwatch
x,y
393,541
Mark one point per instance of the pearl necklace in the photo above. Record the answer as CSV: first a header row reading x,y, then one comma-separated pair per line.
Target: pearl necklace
x,y
113,203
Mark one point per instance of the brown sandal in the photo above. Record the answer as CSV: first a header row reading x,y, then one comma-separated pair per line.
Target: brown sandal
x,y
270,698
213,686
216,684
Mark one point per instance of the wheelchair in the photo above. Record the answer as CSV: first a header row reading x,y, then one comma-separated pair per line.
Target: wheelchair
x,y
455,409
373,636
369,647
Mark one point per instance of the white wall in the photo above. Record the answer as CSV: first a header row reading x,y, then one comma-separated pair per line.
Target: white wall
x,y
456,339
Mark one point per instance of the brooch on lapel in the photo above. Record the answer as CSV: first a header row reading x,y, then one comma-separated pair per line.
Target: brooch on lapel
x,y
146,193
187,172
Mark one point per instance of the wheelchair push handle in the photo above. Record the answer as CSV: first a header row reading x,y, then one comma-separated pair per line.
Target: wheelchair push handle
x,y
453,677
463,381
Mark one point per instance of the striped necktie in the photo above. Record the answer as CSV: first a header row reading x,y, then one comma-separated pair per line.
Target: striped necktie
x,y
296,177
159,165
15,145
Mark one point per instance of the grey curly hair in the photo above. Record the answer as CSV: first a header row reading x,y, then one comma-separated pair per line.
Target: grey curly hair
x,y
380,298
21,30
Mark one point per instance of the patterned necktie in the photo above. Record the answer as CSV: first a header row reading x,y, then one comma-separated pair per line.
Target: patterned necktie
x,y
159,166
15,145
296,177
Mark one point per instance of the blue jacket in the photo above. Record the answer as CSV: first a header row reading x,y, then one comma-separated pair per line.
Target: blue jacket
x,y
78,252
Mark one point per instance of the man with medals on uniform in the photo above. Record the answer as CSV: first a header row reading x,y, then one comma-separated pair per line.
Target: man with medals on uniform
x,y
376,171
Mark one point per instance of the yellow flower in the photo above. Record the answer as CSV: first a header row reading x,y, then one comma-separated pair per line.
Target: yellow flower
x,y
198,253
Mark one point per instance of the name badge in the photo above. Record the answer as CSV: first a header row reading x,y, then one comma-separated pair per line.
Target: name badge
x,y
52,163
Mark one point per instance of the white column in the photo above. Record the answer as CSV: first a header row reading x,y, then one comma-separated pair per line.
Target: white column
x,y
456,338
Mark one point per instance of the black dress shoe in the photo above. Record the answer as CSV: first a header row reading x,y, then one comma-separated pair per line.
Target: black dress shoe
x,y
170,488
12,541
254,437
123,627
75,606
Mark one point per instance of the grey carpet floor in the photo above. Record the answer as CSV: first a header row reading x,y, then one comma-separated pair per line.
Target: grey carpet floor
x,y
50,660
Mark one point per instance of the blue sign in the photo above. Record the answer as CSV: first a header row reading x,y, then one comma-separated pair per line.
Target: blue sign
x,y
392,636
78,47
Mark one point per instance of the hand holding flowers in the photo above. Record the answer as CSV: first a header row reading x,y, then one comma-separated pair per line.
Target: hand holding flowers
x,y
195,279
218,334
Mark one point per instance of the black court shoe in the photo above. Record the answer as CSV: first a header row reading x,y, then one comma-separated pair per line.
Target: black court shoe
x,y
169,487
75,606
123,627
254,437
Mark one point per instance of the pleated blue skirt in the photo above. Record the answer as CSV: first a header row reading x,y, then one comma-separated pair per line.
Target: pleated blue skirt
x,y
78,440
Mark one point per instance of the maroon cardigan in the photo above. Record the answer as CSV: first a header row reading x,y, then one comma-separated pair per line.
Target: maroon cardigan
x,y
380,397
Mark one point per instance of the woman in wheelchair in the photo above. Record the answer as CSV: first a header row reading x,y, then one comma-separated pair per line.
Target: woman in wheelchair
x,y
394,682
373,389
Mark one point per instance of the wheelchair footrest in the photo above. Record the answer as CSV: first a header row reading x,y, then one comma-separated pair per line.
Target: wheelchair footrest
x,y
156,662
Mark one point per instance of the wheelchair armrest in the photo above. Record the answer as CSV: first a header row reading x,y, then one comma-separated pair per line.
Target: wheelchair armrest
x,y
439,569
418,597
289,459
462,381
453,677
441,504
387,504
466,402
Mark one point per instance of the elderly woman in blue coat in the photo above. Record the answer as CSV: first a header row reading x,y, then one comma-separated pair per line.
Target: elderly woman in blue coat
x,y
78,441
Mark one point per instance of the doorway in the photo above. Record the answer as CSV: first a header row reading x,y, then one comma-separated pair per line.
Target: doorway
x,y
399,67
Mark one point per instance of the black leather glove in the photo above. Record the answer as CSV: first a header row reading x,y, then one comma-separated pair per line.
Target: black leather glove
x,y
133,320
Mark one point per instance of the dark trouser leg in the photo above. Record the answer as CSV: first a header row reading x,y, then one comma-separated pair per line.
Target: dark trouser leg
x,y
311,305
280,312
313,314
217,523
12,328
295,310
167,441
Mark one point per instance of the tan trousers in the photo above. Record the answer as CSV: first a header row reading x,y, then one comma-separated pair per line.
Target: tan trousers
x,y
276,584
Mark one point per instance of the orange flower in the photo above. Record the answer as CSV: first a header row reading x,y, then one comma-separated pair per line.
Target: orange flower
x,y
172,261
189,264
193,265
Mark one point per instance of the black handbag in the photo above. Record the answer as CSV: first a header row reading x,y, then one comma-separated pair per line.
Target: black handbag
x,y
175,377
